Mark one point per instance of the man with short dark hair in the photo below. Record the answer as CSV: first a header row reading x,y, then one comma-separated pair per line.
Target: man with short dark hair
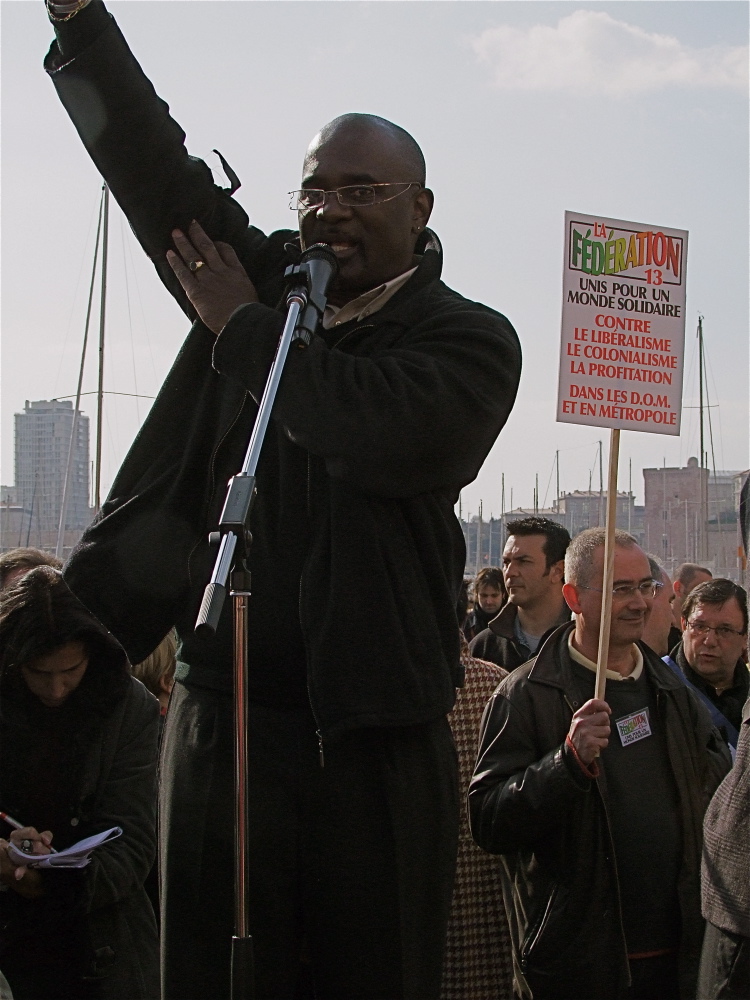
x,y
713,651
353,788
533,572
687,576
596,805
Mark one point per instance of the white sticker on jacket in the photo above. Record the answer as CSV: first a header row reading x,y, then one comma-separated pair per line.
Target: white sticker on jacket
x,y
633,727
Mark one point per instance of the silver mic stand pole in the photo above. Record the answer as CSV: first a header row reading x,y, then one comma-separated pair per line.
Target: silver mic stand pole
x,y
305,301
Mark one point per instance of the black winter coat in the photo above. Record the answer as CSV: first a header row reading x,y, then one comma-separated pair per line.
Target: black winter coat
x,y
118,956
499,643
530,802
360,470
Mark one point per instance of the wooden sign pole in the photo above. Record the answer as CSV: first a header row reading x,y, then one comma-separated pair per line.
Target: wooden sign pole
x,y
609,563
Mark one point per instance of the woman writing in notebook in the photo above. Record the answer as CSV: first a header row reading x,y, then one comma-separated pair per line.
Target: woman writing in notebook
x,y
78,746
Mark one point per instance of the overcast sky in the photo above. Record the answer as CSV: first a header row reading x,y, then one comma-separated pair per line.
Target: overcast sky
x,y
632,110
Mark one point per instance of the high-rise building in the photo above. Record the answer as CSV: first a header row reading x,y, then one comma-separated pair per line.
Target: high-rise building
x,y
42,442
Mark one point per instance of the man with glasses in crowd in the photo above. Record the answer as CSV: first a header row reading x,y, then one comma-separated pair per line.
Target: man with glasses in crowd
x,y
597,805
353,786
713,651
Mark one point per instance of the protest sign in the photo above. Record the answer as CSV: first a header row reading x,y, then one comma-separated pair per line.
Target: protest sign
x,y
623,325
622,348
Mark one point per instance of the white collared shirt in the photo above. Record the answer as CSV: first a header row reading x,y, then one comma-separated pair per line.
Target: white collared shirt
x,y
611,675
365,304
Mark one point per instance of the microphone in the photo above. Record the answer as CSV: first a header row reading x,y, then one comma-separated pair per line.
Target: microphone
x,y
311,276
322,266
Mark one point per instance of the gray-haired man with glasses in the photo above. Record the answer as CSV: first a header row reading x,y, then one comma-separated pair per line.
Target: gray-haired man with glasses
x,y
357,557
597,805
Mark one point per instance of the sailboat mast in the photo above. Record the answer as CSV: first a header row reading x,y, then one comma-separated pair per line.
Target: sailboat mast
x,y
478,560
100,388
630,490
703,518
77,407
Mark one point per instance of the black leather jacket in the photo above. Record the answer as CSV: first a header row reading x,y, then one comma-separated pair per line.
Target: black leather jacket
x,y
499,643
530,802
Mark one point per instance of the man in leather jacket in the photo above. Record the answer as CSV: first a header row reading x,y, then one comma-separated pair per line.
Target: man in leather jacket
x,y
596,806
533,573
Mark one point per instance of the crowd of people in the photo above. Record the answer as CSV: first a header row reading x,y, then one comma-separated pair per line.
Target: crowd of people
x,y
576,871
604,852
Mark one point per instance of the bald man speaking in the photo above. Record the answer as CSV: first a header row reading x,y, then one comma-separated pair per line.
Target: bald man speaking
x,y
357,555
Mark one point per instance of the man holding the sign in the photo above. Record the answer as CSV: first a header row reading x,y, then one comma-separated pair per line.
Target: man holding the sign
x,y
601,856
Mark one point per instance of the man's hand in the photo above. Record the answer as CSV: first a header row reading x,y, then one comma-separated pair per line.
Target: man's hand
x,y
25,881
219,285
589,729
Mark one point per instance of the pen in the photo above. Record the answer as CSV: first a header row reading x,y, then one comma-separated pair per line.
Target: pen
x,y
18,826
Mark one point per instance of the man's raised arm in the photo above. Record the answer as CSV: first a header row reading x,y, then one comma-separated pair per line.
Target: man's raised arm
x,y
137,146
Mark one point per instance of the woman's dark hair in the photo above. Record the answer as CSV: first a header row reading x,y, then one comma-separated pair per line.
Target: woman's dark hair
x,y
489,576
38,615
25,559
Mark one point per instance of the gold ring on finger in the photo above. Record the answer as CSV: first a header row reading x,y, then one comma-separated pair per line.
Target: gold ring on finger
x,y
194,265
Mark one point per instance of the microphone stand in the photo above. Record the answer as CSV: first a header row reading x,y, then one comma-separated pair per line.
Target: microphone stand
x,y
307,282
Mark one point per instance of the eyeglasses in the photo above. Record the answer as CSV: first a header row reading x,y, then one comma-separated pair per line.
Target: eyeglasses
x,y
722,631
351,196
649,588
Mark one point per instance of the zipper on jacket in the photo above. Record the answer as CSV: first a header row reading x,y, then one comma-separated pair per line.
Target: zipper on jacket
x,y
616,877
213,482
318,733
222,440
612,859
536,933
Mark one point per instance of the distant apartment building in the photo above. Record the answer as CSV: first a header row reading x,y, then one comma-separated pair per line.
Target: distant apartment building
x,y
584,509
32,507
691,516
575,511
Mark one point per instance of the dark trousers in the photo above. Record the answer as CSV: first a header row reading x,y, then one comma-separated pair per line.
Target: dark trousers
x,y
49,982
356,859
653,979
725,966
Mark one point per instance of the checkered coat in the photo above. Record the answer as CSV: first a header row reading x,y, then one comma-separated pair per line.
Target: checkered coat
x,y
478,963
